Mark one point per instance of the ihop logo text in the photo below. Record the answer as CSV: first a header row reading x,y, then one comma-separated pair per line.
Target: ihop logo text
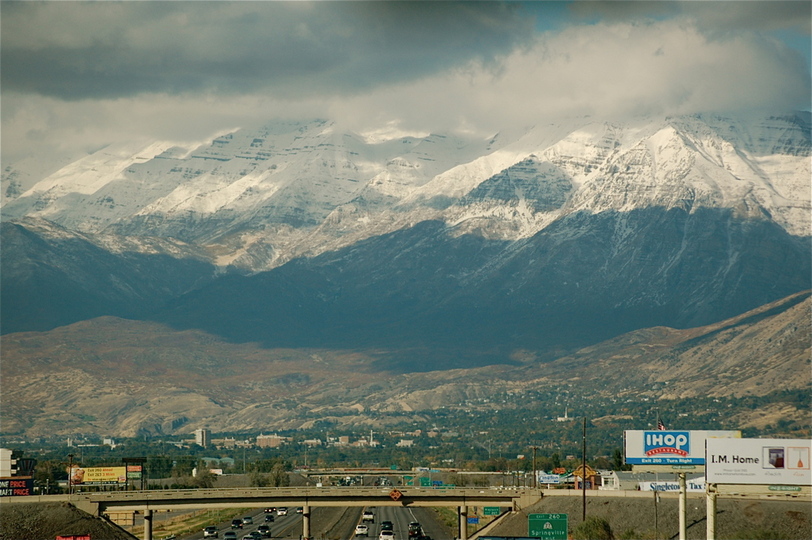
x,y
667,442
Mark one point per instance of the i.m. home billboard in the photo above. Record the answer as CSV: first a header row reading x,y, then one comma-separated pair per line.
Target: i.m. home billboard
x,y
779,462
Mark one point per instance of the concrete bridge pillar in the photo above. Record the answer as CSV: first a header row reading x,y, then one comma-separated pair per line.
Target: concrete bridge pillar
x,y
306,522
463,518
148,524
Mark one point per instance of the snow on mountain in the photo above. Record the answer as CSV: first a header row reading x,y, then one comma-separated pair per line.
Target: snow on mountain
x,y
258,197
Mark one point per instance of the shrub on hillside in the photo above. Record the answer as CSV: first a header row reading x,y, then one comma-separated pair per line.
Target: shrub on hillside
x,y
594,528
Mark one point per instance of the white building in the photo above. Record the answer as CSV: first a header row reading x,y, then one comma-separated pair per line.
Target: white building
x,y
203,437
6,462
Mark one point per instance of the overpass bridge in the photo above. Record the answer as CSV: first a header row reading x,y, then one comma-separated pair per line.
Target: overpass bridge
x,y
307,497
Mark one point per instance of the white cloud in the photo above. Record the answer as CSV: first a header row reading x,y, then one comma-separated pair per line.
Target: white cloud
x,y
604,70
608,70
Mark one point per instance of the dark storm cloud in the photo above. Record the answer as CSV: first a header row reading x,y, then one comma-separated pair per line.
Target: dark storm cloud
x,y
713,17
74,51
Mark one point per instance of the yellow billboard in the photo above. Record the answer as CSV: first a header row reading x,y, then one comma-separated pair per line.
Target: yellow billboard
x,y
98,475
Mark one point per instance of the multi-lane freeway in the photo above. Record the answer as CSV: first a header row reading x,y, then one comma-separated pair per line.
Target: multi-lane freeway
x,y
289,526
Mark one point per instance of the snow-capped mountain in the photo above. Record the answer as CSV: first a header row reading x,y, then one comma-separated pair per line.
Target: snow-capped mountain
x,y
258,198
465,249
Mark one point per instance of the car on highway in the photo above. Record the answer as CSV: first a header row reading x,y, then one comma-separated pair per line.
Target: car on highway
x,y
236,524
299,510
281,511
269,518
361,530
210,532
264,530
415,530
253,535
387,526
369,515
387,535
247,520
270,510
229,535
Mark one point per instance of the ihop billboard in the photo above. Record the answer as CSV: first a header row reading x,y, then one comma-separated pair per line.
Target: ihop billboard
x,y
667,447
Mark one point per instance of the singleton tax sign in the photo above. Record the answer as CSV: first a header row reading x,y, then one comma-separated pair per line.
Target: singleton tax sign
x,y
779,462
669,447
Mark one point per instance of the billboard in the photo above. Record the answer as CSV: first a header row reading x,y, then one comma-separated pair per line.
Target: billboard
x,y
16,486
661,447
544,478
691,484
759,461
97,475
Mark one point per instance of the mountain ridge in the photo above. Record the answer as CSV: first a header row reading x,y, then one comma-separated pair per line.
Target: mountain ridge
x,y
288,185
191,379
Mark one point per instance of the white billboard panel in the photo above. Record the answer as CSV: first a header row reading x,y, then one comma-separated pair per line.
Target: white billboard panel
x,y
759,461
661,447
544,478
691,484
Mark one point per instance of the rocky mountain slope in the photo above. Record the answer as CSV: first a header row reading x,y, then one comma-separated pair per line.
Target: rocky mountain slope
x,y
560,234
96,377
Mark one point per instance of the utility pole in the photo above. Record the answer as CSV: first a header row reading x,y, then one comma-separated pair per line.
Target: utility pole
x,y
535,476
583,473
70,473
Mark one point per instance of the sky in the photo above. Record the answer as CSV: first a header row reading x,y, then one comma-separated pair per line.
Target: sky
x,y
75,76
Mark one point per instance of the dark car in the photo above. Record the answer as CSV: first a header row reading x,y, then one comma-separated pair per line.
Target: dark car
x,y
387,526
264,530
269,518
415,531
236,524
229,535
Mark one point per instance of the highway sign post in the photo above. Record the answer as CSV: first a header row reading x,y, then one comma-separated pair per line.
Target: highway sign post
x,y
548,526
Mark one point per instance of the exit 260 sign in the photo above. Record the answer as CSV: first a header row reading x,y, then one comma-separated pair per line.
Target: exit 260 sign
x,y
547,526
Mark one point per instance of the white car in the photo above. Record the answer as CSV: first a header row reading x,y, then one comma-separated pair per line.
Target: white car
x,y
387,535
282,511
361,530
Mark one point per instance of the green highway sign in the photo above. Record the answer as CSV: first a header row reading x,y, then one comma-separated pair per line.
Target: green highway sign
x,y
784,488
548,526
492,510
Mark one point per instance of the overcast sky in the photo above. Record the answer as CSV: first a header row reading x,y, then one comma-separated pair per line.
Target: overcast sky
x,y
76,76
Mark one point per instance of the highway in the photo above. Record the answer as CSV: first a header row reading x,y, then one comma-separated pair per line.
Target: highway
x,y
285,526
290,526
401,517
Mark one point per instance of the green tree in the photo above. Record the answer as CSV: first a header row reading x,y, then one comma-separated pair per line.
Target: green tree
x,y
159,466
259,479
203,478
183,466
279,476
47,473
